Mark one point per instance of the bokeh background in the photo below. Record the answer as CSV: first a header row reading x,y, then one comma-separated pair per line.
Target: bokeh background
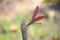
x,y
13,11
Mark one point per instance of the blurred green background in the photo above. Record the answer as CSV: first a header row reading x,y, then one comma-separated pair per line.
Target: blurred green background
x,y
46,30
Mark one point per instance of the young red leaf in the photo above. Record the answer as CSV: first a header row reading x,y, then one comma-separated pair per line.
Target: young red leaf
x,y
38,18
35,12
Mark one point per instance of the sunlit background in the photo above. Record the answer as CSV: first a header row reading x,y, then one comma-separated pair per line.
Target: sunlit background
x,y
13,11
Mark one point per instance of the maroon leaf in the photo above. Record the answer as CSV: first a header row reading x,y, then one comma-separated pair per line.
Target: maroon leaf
x,y
35,12
38,18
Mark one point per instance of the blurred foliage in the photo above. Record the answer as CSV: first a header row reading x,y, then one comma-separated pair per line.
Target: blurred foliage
x,y
4,24
36,30
48,1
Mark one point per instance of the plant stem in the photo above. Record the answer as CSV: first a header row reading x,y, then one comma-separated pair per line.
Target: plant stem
x,y
24,30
